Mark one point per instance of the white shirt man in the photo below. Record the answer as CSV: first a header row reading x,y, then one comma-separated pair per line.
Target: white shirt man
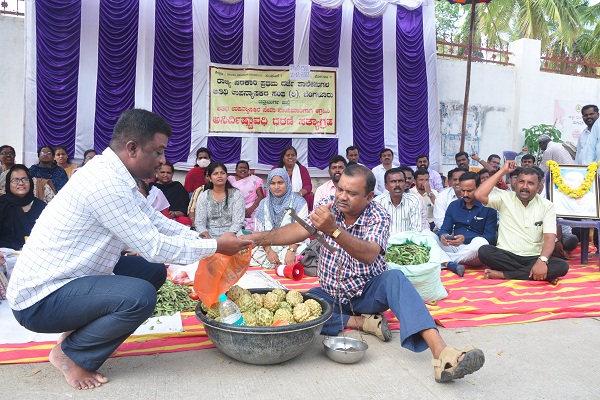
x,y
386,156
446,196
589,114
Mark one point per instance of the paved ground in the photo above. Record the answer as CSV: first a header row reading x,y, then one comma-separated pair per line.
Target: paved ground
x,y
543,360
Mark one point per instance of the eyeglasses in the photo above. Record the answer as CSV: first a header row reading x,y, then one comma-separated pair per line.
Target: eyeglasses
x,y
15,181
45,153
7,153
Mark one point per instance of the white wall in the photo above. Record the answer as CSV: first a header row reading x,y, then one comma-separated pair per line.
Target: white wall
x,y
12,82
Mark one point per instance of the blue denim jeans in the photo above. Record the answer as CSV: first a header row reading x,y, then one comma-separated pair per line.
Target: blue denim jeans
x,y
390,290
102,311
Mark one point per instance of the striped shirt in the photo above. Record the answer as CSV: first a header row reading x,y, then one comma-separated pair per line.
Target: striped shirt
x,y
341,275
83,230
406,216
521,229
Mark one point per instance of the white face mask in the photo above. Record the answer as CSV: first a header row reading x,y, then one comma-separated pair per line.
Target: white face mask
x,y
203,163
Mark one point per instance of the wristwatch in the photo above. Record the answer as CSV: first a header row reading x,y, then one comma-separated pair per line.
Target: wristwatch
x,y
292,250
430,194
336,233
544,259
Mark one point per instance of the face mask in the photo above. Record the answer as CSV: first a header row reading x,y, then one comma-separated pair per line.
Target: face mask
x,y
203,163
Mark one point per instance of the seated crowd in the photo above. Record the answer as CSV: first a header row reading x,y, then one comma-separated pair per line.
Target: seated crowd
x,y
479,219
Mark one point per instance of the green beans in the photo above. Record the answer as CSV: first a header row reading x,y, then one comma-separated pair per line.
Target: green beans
x,y
171,298
407,254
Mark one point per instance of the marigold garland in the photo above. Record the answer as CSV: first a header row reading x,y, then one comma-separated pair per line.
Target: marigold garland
x,y
585,187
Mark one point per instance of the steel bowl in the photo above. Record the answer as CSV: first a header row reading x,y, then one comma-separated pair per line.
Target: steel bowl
x,y
345,350
264,345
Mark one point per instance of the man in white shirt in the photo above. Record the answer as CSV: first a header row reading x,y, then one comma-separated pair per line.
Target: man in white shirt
x,y
70,276
435,180
589,114
352,155
553,151
386,156
337,164
422,189
446,196
405,210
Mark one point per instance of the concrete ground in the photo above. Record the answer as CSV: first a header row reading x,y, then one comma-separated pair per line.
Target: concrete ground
x,y
542,360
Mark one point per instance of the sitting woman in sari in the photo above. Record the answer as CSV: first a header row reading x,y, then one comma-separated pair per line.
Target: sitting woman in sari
x,y
272,213
220,207
19,209
251,187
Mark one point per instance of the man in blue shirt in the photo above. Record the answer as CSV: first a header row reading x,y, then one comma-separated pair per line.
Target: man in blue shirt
x,y
468,225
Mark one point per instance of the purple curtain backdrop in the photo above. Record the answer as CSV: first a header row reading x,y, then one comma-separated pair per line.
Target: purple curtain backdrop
x,y
117,52
367,87
174,73
324,50
413,128
276,24
57,69
226,38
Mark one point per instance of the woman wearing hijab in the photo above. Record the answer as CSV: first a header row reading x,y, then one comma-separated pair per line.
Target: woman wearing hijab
x,y
272,212
298,174
19,208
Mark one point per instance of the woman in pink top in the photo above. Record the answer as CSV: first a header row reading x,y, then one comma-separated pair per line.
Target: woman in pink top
x,y
251,187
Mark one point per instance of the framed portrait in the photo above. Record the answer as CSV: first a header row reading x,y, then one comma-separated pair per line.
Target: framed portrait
x,y
568,207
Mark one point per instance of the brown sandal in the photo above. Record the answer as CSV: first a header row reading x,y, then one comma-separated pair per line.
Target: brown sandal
x,y
376,324
449,368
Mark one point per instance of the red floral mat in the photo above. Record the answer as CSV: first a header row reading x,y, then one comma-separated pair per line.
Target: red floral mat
x,y
472,301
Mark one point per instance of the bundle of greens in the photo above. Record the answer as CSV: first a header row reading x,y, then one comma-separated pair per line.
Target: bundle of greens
x,y
407,254
171,298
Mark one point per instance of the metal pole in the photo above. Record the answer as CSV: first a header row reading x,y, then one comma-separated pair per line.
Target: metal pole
x,y
463,132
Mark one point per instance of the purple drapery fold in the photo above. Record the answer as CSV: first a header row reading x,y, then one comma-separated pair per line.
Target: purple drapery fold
x,y
226,38
367,87
117,52
276,24
174,73
324,50
58,25
413,127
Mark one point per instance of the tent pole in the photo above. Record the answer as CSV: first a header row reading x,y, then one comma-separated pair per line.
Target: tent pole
x,y
463,132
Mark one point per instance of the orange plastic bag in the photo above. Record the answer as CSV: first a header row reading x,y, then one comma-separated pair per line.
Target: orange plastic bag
x,y
217,273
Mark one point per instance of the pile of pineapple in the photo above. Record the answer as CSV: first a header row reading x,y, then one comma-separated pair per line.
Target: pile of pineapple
x,y
271,309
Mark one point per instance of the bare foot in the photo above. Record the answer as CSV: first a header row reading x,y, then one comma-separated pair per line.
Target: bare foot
x,y
491,274
76,376
63,337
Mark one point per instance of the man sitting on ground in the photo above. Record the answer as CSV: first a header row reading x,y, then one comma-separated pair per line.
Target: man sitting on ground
x,y
352,154
327,190
405,211
386,156
435,180
527,160
492,165
427,193
527,230
468,225
359,229
446,196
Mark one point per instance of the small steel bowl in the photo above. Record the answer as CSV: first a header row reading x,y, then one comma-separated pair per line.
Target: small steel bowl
x,y
344,350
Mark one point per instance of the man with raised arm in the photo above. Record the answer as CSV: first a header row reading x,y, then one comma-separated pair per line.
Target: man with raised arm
x,y
357,274
71,277
527,230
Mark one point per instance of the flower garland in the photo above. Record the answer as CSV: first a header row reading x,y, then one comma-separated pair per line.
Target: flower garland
x,y
585,187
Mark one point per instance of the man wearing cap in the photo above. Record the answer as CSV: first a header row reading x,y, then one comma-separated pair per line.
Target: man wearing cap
x,y
553,151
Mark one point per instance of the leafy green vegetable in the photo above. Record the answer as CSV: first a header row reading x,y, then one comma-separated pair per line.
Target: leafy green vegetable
x,y
171,298
407,254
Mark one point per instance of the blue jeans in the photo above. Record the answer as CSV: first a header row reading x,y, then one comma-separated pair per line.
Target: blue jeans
x,y
390,290
102,310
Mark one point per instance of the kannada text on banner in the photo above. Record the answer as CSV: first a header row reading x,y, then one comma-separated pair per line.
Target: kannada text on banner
x,y
265,101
